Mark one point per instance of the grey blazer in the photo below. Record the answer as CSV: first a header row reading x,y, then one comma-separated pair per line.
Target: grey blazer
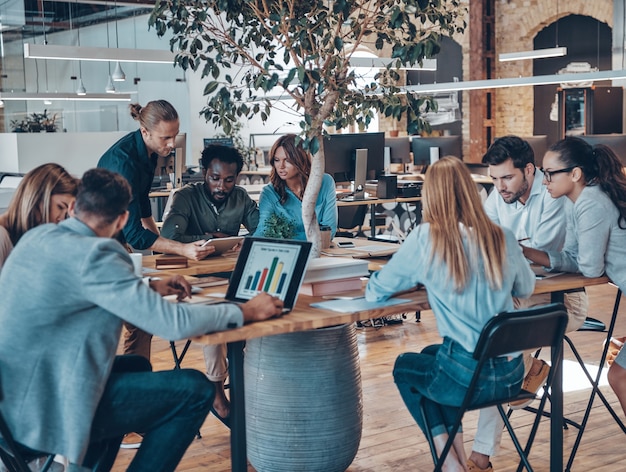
x,y
65,293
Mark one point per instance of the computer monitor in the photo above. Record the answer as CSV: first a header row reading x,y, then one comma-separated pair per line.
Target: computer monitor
x,y
340,154
400,149
429,149
617,142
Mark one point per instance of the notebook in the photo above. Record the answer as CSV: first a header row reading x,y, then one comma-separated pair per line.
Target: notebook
x,y
275,266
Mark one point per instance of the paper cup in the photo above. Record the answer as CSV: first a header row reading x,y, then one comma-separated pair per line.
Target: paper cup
x,y
137,259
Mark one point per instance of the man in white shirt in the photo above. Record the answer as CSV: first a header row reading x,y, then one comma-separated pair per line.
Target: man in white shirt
x,y
521,203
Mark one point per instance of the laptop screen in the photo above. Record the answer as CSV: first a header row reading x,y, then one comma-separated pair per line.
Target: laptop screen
x,y
275,266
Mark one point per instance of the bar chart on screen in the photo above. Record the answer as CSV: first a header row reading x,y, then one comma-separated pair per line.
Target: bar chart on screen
x,y
268,269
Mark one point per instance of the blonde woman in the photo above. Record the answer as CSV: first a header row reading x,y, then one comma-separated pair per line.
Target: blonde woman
x,y
43,196
471,268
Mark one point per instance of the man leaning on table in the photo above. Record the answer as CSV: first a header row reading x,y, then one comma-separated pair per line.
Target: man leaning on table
x,y
67,393
215,208
135,157
520,202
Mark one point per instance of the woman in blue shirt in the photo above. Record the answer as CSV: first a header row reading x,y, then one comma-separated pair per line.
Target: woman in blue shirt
x,y
593,179
471,268
291,166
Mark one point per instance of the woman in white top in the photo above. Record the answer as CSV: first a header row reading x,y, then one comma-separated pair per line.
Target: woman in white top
x,y
593,179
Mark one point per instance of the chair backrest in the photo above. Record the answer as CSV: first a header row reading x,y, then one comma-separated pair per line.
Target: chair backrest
x,y
168,204
10,180
349,217
14,456
520,330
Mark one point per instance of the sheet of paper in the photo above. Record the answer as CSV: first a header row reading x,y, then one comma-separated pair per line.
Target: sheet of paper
x,y
359,304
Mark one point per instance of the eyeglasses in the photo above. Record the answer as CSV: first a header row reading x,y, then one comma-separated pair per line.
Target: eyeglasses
x,y
547,174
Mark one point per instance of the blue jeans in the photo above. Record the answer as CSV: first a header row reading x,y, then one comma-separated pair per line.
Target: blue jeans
x,y
441,373
168,406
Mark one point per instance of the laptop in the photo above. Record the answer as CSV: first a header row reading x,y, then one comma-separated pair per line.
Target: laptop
x,y
275,266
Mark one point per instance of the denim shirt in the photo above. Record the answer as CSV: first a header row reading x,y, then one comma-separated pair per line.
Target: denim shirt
x,y
325,208
460,316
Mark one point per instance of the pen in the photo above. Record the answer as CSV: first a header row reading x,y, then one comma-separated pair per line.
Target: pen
x,y
523,239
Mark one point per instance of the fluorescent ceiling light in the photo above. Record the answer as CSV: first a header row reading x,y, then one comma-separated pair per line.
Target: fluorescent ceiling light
x,y
113,97
517,81
381,62
82,53
536,54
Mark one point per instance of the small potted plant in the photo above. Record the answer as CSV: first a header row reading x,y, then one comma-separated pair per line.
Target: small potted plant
x,y
280,227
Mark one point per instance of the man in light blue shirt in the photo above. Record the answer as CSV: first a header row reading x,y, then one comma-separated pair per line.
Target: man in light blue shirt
x,y
520,202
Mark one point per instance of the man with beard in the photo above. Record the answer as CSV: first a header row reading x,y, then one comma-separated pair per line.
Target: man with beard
x,y
215,208
520,202
135,157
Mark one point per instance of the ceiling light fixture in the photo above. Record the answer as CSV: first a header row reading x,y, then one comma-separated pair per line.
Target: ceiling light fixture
x,y
538,53
110,88
118,73
535,54
516,81
86,53
105,97
80,90
382,62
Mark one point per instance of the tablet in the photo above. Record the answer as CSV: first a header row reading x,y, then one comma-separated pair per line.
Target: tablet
x,y
275,266
222,245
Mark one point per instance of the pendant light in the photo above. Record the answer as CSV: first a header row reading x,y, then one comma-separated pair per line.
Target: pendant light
x,y
110,88
118,73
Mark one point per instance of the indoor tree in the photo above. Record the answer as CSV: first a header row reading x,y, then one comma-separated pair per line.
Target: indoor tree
x,y
260,54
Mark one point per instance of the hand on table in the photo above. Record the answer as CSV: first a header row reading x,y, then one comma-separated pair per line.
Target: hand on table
x,y
175,285
261,307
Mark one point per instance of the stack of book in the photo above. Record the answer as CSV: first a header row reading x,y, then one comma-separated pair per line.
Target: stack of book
x,y
333,275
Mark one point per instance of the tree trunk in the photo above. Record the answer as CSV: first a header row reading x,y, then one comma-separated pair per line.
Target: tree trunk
x,y
309,218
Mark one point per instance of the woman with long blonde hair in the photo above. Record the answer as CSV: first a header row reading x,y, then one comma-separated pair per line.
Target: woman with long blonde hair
x,y
471,268
43,196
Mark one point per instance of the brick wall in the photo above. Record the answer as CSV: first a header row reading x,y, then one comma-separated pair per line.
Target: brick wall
x,y
517,23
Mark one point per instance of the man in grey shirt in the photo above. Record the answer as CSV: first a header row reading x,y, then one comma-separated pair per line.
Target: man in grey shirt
x,y
68,393
215,208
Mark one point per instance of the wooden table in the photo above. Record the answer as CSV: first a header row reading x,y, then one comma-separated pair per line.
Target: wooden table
x,y
304,318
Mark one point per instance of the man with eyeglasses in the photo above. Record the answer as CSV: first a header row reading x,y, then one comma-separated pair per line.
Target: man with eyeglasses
x,y
215,208
521,203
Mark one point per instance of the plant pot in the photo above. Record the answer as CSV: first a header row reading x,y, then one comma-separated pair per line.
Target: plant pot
x,y
304,408
394,133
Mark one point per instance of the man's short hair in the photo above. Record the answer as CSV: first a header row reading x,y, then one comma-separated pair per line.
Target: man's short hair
x,y
510,147
104,194
226,154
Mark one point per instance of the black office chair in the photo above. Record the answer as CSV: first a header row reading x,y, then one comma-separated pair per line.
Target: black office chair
x,y
513,331
16,457
595,382
350,217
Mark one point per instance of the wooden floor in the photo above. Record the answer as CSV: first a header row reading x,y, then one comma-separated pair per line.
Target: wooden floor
x,y
392,441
